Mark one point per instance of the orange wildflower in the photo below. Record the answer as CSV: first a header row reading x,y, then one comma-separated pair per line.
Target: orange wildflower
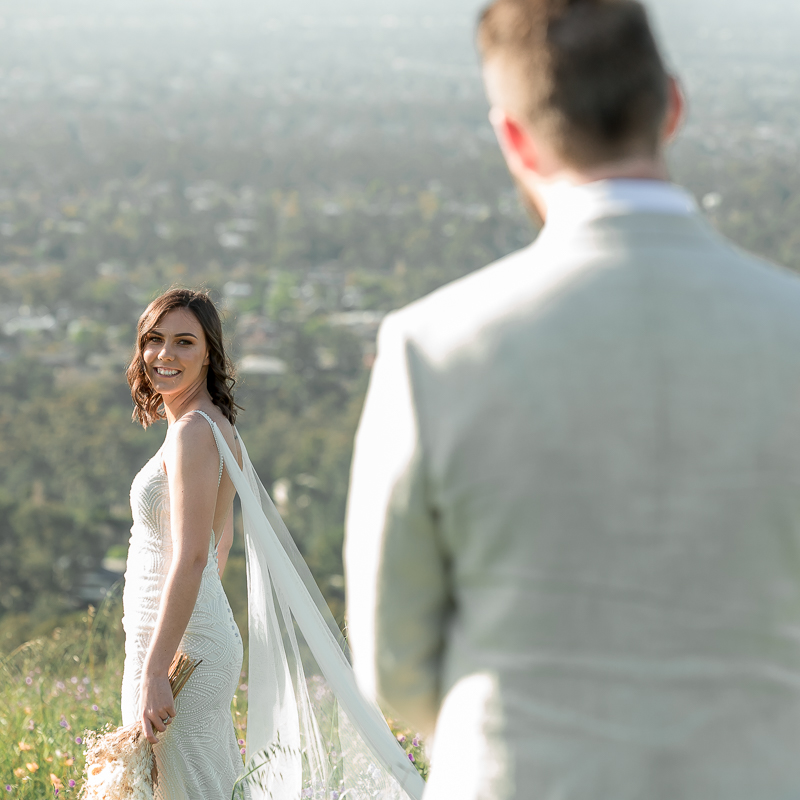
x,y
32,766
19,772
56,781
25,746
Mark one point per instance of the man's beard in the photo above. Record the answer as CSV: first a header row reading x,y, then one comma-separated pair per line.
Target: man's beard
x,y
528,204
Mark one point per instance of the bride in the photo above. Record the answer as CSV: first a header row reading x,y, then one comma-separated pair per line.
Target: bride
x,y
310,732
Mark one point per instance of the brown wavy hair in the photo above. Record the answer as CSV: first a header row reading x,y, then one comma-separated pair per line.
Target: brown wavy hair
x,y
148,406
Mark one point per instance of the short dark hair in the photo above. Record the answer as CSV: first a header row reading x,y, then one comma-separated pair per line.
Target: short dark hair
x,y
147,403
586,74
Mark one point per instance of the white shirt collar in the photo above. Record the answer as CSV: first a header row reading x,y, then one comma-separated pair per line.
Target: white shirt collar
x,y
569,205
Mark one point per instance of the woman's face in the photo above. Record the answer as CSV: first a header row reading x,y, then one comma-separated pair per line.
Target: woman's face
x,y
175,354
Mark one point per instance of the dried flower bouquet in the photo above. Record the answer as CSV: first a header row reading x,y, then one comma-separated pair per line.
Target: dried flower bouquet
x,y
120,764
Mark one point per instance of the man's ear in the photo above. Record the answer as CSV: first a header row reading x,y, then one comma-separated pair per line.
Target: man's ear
x,y
676,110
516,142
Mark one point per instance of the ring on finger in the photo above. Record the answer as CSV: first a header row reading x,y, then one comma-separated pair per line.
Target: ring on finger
x,y
166,719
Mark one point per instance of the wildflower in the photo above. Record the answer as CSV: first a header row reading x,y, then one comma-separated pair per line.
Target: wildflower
x,y
71,784
95,708
241,742
49,759
29,680
401,738
86,681
69,762
32,766
411,757
25,746
9,787
31,724
78,740
415,741
73,679
19,772
64,723
243,687
243,751
56,781
334,795
60,685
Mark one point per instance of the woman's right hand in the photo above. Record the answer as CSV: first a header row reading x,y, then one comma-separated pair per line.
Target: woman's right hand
x,y
157,705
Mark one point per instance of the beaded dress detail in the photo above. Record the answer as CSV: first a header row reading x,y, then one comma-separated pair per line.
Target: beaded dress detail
x,y
198,757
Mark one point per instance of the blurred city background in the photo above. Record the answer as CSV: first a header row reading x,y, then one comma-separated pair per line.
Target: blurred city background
x,y
315,164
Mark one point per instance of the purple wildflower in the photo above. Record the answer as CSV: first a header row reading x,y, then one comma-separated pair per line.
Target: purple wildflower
x,y
95,708
415,741
411,757
60,685
72,784
401,738
78,740
64,723
241,742
243,751
29,680
9,787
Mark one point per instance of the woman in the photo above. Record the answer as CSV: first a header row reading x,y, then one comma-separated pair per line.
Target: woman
x,y
182,507
173,599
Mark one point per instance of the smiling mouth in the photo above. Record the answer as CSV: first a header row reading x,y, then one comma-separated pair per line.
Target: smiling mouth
x,y
166,373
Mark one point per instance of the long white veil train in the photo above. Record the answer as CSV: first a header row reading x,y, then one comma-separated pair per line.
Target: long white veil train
x,y
317,735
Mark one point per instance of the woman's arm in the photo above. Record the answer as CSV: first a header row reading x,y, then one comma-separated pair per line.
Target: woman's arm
x,y
192,469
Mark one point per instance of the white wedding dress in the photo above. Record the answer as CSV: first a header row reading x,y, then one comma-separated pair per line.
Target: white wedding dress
x,y
310,731
198,757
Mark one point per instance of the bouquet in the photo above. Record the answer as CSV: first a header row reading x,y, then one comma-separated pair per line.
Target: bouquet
x,y
120,764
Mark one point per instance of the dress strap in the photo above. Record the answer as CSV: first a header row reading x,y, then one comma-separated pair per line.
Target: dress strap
x,y
212,424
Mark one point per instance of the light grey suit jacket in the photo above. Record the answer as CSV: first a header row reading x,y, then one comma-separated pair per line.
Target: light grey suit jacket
x,y
573,537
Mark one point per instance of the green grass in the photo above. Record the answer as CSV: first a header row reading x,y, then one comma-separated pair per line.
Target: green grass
x,y
52,689
55,687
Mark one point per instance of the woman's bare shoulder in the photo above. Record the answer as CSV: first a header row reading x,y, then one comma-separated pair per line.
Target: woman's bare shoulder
x,y
189,438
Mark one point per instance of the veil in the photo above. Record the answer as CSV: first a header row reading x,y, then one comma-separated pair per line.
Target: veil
x,y
310,731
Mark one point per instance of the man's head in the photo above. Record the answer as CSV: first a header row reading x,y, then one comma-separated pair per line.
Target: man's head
x,y
583,77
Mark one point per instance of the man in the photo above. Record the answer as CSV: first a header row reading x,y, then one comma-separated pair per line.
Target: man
x,y
573,537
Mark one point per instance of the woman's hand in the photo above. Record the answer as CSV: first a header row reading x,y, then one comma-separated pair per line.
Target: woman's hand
x,y
157,705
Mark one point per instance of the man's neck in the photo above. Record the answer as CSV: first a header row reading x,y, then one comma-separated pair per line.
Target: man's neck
x,y
631,169
648,169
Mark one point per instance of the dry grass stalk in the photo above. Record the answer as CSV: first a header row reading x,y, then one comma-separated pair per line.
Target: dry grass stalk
x,y
120,764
